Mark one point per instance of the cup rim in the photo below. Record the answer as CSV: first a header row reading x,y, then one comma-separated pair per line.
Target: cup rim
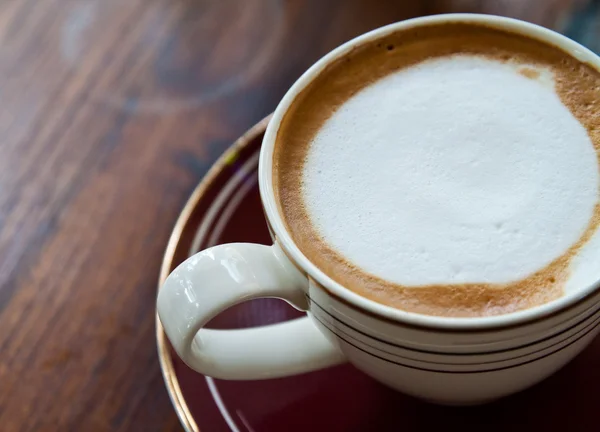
x,y
370,306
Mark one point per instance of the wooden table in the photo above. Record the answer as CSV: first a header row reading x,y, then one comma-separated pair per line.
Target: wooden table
x,y
110,112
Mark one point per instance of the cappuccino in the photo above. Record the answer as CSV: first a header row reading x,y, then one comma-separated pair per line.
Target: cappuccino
x,y
446,170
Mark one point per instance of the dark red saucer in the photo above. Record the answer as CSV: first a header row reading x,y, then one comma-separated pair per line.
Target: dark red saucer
x,y
225,208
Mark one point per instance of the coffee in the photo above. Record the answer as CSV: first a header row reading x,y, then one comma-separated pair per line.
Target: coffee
x,y
447,170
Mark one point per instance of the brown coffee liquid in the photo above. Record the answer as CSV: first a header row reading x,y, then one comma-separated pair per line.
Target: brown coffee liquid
x,y
576,83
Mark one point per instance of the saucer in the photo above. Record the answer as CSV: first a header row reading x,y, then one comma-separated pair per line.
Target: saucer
x,y
224,208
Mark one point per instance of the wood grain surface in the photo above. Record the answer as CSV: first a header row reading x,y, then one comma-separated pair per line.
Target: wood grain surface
x,y
111,111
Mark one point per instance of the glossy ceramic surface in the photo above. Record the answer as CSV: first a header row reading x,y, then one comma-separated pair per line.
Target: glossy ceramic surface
x,y
339,398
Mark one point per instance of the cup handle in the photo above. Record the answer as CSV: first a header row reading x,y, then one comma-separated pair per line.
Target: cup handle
x,y
213,280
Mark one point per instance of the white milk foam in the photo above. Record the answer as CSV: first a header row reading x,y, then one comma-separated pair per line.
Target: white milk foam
x,y
456,170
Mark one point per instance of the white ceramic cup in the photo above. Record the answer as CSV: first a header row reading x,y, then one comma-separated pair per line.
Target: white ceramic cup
x,y
446,360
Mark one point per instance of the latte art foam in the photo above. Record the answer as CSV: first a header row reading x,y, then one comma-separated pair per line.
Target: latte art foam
x,y
456,170
455,174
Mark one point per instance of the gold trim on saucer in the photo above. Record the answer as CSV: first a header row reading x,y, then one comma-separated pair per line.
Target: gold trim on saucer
x,y
164,355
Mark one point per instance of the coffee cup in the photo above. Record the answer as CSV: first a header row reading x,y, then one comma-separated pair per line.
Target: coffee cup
x,y
466,351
